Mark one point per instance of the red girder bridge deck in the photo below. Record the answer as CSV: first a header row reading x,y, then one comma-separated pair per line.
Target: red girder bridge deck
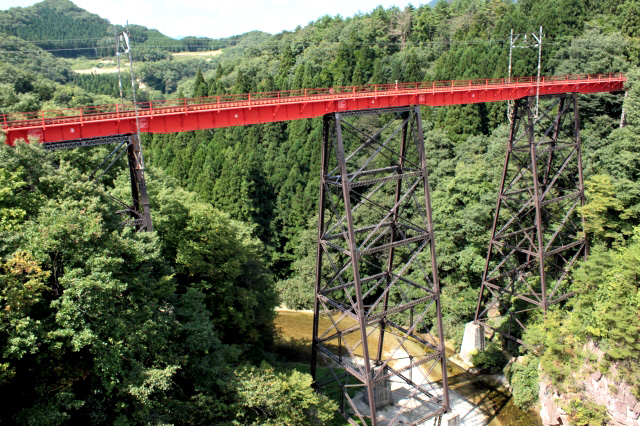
x,y
182,115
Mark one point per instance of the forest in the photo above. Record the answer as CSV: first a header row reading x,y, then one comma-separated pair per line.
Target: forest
x,y
68,31
102,325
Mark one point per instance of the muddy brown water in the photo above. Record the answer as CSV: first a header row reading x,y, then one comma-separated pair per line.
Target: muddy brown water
x,y
295,328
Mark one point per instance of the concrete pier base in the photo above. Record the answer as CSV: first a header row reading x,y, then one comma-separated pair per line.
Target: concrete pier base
x,y
381,392
451,419
472,342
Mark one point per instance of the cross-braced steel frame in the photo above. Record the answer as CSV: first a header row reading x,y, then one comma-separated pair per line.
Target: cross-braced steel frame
x,y
139,211
538,232
378,334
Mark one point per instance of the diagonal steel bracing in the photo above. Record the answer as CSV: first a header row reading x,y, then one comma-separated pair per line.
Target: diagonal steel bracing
x,y
139,211
139,194
378,323
538,232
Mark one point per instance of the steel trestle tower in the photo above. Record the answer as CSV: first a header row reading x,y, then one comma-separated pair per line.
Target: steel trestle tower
x,y
138,211
538,232
376,277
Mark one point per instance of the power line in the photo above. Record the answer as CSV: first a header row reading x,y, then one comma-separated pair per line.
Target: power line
x,y
181,43
231,41
133,38
265,44
276,43
61,40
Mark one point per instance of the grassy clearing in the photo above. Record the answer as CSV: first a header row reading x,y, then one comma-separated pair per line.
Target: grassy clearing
x,y
77,64
97,71
202,55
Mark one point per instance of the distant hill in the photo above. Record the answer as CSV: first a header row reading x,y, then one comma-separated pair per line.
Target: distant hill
x,y
70,31
57,20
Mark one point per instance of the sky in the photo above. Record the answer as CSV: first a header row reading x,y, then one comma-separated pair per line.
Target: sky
x,y
218,18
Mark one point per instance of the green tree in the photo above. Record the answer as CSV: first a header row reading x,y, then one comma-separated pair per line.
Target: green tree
x,y
524,377
99,323
270,398
200,88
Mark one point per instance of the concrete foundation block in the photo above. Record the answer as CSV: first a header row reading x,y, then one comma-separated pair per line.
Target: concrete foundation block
x,y
451,419
381,391
472,342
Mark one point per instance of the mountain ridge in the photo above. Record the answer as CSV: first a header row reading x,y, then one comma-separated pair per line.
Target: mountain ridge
x,y
67,30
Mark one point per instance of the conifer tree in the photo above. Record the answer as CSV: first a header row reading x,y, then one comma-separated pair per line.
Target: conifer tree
x,y
200,88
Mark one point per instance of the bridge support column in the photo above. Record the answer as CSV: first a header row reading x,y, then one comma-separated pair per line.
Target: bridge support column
x,y
141,212
538,233
377,316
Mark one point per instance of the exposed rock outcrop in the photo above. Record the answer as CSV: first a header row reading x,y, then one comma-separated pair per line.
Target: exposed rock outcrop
x,y
622,406
550,410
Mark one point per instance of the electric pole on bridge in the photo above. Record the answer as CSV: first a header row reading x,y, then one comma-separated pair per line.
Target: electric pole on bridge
x,y
525,41
141,211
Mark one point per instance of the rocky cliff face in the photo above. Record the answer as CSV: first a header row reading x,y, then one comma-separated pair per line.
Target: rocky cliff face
x,y
550,410
622,406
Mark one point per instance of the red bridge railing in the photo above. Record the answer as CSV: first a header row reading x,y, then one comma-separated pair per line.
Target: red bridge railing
x,y
220,102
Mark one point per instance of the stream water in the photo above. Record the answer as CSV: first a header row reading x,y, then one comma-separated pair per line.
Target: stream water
x,y
294,328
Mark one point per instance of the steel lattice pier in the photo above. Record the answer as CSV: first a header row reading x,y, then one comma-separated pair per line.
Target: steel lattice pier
x,y
538,232
139,211
377,324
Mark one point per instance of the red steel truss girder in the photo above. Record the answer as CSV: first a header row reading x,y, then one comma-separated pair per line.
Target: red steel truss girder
x,y
188,117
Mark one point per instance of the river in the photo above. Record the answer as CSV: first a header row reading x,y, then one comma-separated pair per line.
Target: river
x,y
295,327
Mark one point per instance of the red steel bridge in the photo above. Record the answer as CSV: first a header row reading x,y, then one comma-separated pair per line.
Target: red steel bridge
x,y
252,108
377,292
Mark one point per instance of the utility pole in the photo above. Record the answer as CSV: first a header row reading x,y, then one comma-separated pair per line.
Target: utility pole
x,y
117,37
525,41
141,206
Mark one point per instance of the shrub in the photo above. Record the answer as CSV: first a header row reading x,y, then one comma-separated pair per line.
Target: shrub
x,y
524,379
491,360
586,413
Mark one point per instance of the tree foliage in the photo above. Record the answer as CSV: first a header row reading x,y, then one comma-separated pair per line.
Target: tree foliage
x,y
99,324
270,398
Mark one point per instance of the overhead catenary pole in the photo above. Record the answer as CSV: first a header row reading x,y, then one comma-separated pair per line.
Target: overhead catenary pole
x,y
136,161
117,36
523,41
538,80
125,36
510,53
510,103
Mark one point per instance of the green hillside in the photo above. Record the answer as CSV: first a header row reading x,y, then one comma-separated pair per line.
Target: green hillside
x,y
69,31
54,20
